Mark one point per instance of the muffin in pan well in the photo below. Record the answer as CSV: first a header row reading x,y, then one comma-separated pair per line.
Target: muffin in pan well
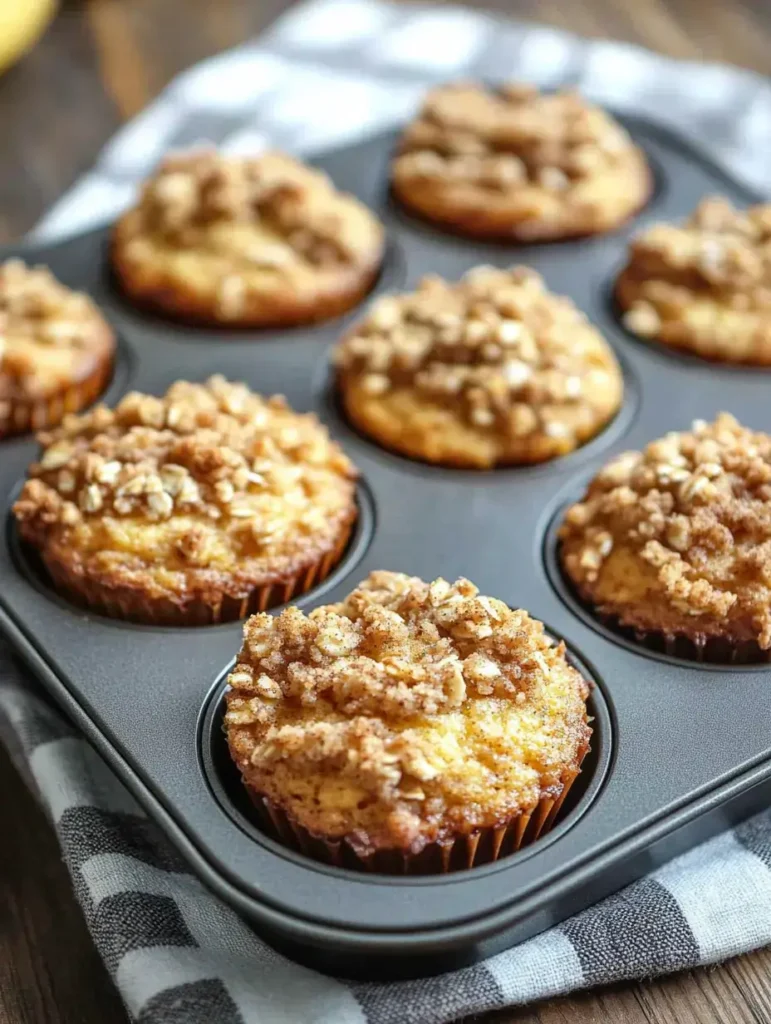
x,y
201,506
246,242
56,349
703,287
517,164
412,727
492,370
674,543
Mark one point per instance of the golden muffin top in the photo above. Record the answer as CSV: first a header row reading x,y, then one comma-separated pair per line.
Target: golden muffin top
x,y
404,712
497,347
704,285
264,218
499,140
208,477
693,510
50,336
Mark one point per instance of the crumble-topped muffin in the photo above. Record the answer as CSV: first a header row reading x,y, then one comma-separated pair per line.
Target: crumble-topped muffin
x,y
492,370
676,540
515,163
199,506
56,349
404,719
246,242
704,287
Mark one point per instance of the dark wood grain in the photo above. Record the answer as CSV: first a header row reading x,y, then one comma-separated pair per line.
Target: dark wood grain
x,y
99,63
49,969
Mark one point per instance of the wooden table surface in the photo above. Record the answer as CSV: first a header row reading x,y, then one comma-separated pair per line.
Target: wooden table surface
x,y
99,63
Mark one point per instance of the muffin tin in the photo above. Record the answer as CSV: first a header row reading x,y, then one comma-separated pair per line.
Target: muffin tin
x,y
679,750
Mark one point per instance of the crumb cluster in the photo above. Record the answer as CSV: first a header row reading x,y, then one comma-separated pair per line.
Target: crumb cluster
x,y
705,285
430,704
209,476
530,155
692,514
497,348
504,138
50,336
246,238
191,190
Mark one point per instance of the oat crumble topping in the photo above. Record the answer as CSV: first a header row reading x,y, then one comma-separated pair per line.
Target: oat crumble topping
x,y
695,509
498,348
252,240
298,206
500,140
423,699
706,283
207,476
48,332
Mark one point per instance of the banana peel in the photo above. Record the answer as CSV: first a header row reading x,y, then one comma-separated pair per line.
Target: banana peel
x,y
21,24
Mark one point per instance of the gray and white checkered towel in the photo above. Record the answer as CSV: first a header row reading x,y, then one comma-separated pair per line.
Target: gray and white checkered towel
x,y
328,73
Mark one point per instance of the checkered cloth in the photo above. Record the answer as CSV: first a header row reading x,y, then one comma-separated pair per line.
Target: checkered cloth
x,y
327,74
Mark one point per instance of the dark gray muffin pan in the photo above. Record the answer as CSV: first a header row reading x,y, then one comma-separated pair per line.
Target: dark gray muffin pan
x,y
679,750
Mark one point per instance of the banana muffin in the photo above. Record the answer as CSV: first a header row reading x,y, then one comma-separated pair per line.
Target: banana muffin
x,y
703,287
515,163
201,506
56,349
246,242
493,370
412,727
674,542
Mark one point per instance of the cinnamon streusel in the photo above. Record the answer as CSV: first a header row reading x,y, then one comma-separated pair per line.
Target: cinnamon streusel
x,y
493,370
412,727
515,163
704,287
675,542
56,349
246,242
201,506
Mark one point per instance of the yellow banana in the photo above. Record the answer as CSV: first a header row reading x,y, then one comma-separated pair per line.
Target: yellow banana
x,y
21,22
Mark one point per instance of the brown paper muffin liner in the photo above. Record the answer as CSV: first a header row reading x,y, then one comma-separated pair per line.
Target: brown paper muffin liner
x,y
133,606
22,417
441,857
703,649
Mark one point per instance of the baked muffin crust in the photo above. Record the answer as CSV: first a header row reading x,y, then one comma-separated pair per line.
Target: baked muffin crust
x,y
676,539
246,242
208,492
56,349
492,370
515,163
704,286
406,714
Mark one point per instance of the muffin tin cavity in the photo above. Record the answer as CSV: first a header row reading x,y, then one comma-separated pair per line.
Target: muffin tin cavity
x,y
29,564
224,781
659,180
713,654
133,317
333,414
662,350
